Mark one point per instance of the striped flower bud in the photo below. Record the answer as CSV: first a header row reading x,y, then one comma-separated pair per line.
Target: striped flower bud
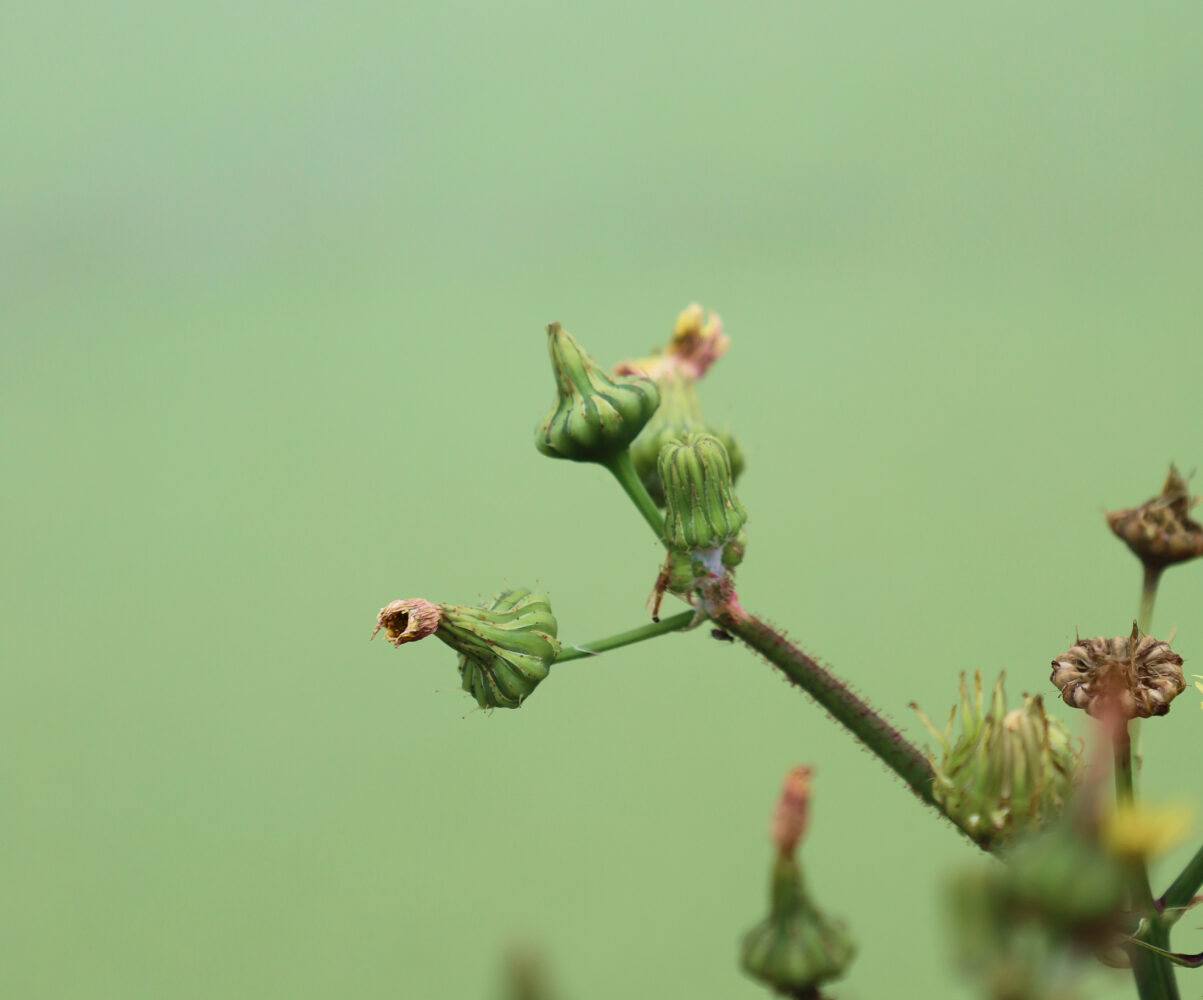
x,y
506,647
595,417
679,412
796,948
1007,771
702,512
1161,531
1134,676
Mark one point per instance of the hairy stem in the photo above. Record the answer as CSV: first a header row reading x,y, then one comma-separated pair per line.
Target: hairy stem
x,y
1155,979
623,470
673,624
871,729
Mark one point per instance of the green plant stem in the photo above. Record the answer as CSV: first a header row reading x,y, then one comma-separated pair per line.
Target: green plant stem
x,y
623,470
1182,890
1148,597
650,631
1155,979
874,731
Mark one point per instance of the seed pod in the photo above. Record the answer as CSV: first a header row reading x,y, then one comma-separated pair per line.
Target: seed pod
x,y
1134,676
795,947
506,647
1008,771
701,510
1161,531
594,417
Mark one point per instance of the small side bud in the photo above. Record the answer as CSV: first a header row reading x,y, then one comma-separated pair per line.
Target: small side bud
x,y
594,417
1008,771
1161,532
796,948
407,621
1134,676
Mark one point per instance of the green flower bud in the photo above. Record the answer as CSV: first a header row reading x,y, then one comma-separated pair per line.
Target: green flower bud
x,y
678,413
1007,771
595,417
796,947
701,510
506,647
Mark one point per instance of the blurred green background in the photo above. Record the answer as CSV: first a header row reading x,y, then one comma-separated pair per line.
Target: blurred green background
x,y
273,282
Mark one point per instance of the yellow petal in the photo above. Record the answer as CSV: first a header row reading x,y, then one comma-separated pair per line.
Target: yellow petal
x,y
1140,831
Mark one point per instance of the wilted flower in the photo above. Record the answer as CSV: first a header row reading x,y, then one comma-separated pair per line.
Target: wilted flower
x,y
795,948
1007,771
1161,531
1133,676
506,647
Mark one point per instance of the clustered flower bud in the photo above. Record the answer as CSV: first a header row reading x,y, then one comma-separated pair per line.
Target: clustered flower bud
x,y
697,342
1008,771
1133,676
796,948
1161,531
506,647
594,417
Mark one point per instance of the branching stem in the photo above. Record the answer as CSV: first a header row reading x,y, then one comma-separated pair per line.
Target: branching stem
x,y
673,624
623,470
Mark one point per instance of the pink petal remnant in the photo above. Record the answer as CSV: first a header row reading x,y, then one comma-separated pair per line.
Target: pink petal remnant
x,y
408,620
793,808
696,343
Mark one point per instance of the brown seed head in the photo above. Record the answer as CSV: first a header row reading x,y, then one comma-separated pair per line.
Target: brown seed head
x,y
1133,676
1160,531
407,621
793,808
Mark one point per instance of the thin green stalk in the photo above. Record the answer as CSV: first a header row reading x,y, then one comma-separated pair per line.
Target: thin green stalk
x,y
874,731
623,470
1182,890
1155,979
673,624
1148,597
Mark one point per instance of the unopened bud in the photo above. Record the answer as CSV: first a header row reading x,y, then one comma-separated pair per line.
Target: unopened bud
x,y
702,511
1007,771
1161,531
594,417
1133,676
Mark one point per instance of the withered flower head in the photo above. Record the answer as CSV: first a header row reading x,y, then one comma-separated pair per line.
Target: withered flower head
x,y
1161,531
1133,676
696,343
793,809
407,621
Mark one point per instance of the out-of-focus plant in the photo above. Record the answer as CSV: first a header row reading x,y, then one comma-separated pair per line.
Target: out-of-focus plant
x,y
1068,881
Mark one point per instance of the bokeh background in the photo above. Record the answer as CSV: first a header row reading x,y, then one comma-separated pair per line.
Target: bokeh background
x,y
273,287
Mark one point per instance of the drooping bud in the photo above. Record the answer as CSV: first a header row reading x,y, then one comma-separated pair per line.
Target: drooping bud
x,y
702,511
796,948
407,621
1133,676
1007,771
506,647
1161,531
594,417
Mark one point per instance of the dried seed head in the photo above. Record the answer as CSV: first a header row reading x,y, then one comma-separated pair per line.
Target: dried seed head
x,y
1160,531
407,621
793,808
1133,676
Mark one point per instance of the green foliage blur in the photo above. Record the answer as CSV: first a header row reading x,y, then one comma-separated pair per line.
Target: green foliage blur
x,y
273,288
